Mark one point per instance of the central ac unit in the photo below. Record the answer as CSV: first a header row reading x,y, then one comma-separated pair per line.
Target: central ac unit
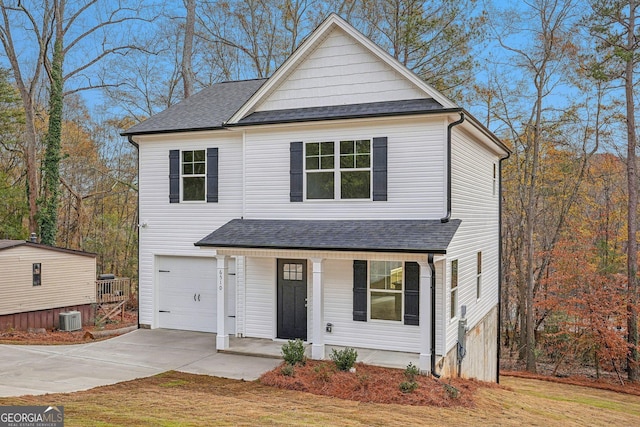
x,y
70,321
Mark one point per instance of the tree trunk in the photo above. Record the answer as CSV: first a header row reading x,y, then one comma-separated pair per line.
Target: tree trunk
x,y
632,226
187,48
51,166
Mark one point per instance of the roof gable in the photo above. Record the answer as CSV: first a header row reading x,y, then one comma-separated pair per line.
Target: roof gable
x,y
327,57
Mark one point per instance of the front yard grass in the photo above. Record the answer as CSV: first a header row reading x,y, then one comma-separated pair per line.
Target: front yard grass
x,y
175,398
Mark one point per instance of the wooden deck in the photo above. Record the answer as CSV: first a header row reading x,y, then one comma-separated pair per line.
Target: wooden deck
x,y
111,297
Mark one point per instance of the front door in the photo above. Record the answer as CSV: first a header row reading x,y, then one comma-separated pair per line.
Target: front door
x,y
292,299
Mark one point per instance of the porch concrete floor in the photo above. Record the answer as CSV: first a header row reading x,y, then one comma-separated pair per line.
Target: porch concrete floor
x,y
273,349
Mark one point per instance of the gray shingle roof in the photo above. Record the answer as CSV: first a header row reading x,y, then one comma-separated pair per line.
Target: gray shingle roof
x,y
4,244
207,109
8,244
416,236
333,112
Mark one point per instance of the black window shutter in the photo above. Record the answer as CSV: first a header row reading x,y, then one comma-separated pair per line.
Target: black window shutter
x,y
411,293
295,172
174,176
360,291
380,169
212,175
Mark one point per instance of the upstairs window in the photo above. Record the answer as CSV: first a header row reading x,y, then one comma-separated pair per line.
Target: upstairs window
x,y
194,172
342,175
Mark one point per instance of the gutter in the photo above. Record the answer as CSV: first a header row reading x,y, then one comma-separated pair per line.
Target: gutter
x,y
500,264
451,125
135,144
433,316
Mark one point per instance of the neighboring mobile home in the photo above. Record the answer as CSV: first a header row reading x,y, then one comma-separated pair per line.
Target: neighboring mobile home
x,y
38,282
342,201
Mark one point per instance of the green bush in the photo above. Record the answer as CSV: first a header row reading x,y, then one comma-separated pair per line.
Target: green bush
x,y
288,370
451,391
408,386
293,352
344,359
411,372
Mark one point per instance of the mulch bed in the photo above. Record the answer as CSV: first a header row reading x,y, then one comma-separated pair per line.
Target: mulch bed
x,y
374,384
53,337
579,380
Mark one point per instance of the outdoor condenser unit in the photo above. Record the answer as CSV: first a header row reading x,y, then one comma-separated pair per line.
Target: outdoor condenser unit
x,y
70,321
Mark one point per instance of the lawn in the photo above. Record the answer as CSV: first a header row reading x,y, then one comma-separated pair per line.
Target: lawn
x,y
175,398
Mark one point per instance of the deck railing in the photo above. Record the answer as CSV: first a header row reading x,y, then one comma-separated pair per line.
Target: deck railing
x,y
113,290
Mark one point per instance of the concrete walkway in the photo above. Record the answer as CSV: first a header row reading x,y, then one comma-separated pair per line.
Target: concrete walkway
x,y
40,369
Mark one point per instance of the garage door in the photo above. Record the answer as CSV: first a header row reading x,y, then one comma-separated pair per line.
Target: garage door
x,y
187,294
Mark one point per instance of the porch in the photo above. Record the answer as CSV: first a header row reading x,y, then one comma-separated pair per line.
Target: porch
x,y
112,294
273,349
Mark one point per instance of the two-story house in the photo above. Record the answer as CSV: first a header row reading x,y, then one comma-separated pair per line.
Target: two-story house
x,y
342,201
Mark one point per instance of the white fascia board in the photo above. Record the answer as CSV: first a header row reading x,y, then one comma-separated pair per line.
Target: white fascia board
x,y
315,38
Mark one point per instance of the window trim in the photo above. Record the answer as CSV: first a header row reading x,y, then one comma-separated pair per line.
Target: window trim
x,y
453,290
389,291
337,170
203,176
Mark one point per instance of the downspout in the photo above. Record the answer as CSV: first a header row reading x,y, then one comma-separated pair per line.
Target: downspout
x,y
499,264
135,144
451,125
433,317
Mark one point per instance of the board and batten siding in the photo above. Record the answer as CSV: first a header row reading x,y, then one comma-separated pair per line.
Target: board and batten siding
x,y
173,228
415,170
477,205
67,279
340,71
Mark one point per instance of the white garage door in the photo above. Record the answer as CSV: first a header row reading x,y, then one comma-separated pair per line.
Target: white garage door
x,y
187,294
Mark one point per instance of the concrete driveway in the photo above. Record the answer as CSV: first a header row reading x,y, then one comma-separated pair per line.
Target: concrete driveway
x,y
40,369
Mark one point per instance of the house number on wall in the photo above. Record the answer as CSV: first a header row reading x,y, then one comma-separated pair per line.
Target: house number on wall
x,y
220,279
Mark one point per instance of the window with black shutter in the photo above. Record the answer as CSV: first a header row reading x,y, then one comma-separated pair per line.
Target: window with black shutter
x,y
193,175
386,290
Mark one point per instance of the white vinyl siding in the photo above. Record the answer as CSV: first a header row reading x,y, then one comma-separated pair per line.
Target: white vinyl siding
x,y
338,307
260,297
172,229
340,71
415,160
474,202
66,279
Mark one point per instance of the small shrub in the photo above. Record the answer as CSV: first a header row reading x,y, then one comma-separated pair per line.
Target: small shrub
x,y
293,352
452,392
411,372
288,370
323,372
344,359
408,386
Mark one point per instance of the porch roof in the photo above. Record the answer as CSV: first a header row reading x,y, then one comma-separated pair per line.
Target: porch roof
x,y
412,236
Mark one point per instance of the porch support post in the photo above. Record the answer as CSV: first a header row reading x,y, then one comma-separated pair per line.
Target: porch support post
x,y
222,339
425,317
317,346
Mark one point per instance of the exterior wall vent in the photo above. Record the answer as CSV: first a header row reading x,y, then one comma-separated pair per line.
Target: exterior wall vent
x,y
70,321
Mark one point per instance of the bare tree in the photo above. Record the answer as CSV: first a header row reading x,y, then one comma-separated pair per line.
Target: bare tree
x,y
541,61
615,26
83,32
